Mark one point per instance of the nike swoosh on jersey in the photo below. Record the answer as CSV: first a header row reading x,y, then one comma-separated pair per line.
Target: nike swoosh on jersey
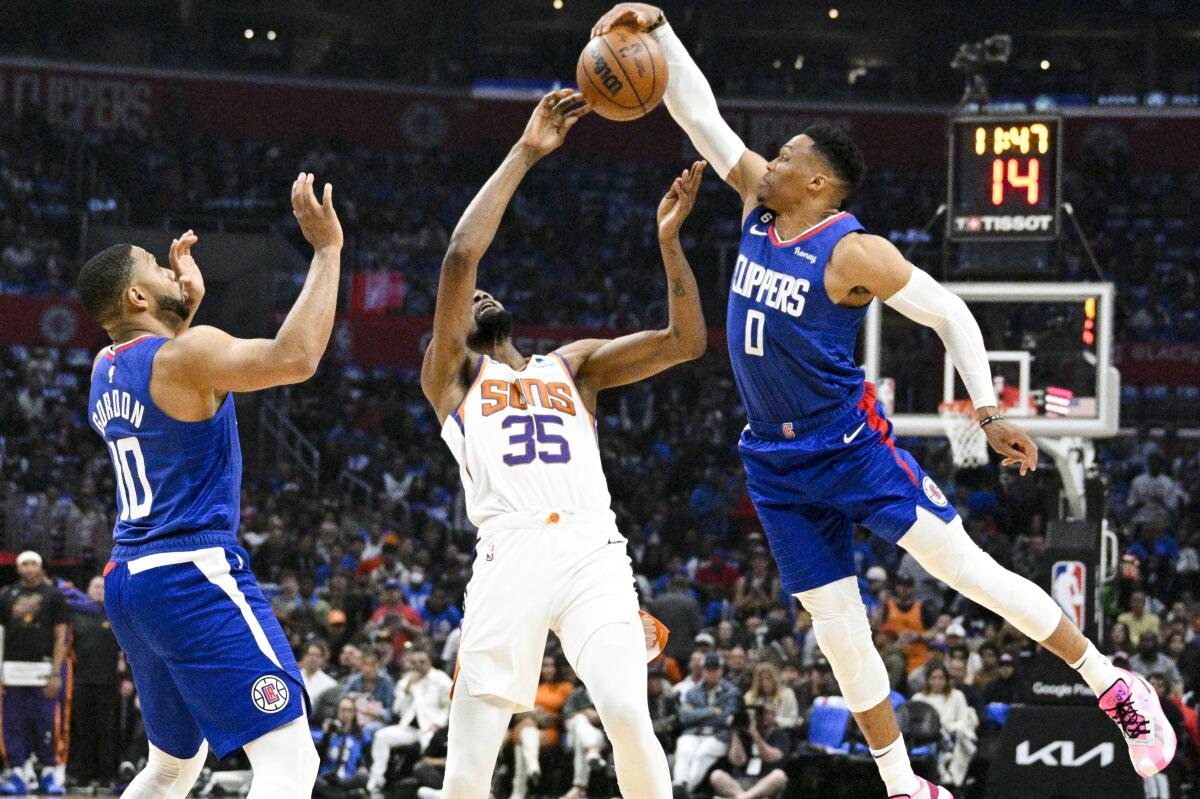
x,y
754,230
847,439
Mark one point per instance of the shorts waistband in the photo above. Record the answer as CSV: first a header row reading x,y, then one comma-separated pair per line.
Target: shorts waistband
x,y
175,543
549,519
785,431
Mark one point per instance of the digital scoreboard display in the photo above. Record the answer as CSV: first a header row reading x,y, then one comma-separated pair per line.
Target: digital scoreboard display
x,y
1004,178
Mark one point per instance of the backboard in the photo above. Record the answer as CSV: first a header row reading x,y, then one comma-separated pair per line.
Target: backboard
x,y
1050,347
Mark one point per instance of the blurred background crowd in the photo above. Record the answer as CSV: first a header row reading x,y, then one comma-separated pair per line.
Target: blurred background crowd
x,y
366,555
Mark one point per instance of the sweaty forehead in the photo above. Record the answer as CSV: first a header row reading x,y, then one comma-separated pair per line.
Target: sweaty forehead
x,y
143,259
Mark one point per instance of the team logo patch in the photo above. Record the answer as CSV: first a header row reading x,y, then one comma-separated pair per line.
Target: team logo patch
x,y
933,492
788,430
270,694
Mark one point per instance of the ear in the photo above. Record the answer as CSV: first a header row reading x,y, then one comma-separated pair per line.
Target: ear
x,y
137,298
818,182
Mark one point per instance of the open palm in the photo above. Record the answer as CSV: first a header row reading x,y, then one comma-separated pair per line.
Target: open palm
x,y
555,114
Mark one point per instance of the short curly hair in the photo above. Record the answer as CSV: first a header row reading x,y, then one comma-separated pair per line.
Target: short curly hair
x,y
836,147
102,281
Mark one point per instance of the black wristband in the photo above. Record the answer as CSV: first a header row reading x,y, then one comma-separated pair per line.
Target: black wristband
x,y
995,417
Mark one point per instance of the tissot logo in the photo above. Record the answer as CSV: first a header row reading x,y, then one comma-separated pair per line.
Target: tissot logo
x,y
1062,753
1004,224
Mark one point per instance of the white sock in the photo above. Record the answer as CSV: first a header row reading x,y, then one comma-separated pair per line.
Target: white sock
x,y
1096,670
895,769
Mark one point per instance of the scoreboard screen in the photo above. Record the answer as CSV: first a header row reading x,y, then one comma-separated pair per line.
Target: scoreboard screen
x,y
1004,181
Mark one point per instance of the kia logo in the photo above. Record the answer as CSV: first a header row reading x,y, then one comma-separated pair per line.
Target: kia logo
x,y
1066,755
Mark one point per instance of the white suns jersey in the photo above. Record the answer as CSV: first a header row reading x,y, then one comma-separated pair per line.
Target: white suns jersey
x,y
525,442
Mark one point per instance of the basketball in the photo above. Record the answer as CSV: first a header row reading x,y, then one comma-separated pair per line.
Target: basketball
x,y
622,74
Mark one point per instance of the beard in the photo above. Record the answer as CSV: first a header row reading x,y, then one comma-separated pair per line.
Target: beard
x,y
172,310
492,328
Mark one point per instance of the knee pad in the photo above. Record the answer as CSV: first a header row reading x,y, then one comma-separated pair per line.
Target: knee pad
x,y
166,776
946,551
284,761
839,620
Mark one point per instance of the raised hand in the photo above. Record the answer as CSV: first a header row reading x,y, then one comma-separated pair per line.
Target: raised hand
x,y
555,114
318,220
185,269
1013,443
679,200
638,16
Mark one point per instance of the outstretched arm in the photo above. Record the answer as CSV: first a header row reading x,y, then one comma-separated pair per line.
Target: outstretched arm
x,y
210,359
871,265
603,363
691,102
555,114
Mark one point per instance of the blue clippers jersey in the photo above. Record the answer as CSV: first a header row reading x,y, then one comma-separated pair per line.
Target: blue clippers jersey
x,y
791,347
178,483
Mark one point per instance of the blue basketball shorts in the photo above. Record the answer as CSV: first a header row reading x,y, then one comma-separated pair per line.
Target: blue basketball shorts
x,y
209,659
811,487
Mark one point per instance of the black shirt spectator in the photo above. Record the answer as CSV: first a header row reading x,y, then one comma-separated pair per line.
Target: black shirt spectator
x,y
30,614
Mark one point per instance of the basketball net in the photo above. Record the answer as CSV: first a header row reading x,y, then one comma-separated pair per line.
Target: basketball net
x,y
968,443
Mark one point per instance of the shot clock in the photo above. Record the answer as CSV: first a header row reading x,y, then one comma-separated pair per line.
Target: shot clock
x,y
1004,179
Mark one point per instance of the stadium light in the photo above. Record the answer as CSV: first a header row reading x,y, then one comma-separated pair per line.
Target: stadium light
x,y
271,36
558,4
834,13
798,63
249,33
1045,64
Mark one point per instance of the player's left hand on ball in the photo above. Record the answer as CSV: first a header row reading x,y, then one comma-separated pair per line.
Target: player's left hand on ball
x,y
185,268
556,113
680,199
1013,443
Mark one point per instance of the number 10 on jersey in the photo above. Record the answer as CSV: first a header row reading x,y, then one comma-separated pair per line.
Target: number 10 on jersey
x,y
136,496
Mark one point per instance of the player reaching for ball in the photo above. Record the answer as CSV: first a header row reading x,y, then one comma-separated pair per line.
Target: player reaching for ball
x,y
818,452
522,428
212,666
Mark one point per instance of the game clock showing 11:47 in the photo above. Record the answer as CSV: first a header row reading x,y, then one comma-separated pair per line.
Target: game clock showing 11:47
x,y
1004,178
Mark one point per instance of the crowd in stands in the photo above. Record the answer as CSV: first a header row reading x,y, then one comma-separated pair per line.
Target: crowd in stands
x,y
371,595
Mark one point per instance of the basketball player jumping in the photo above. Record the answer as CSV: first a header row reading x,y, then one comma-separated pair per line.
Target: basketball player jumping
x,y
209,659
819,454
548,556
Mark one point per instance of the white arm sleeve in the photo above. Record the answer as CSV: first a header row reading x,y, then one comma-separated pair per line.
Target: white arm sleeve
x,y
928,303
691,102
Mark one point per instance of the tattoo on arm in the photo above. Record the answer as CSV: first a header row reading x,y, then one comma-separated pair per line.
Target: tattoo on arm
x,y
677,288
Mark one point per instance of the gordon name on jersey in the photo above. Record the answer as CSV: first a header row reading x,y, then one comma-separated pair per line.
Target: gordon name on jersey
x,y
525,441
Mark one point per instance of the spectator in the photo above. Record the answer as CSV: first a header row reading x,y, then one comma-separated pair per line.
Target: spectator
x,y
695,673
1006,687
718,576
1149,660
35,618
664,709
959,723
540,728
441,616
705,717
989,663
895,661
911,620
679,611
1138,619
373,693
767,691
757,753
342,746
587,739
1155,496
421,708
312,671
95,700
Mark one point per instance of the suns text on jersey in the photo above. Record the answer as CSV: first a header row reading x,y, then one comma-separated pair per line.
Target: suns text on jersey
x,y
776,290
113,404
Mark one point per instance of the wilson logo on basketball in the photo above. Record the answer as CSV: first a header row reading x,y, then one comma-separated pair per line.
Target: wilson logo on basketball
x,y
604,72
270,694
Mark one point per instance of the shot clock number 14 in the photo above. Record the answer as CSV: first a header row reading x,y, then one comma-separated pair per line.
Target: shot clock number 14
x,y
1004,178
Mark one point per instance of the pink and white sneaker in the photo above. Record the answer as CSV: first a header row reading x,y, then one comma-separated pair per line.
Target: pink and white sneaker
x,y
925,790
1134,706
